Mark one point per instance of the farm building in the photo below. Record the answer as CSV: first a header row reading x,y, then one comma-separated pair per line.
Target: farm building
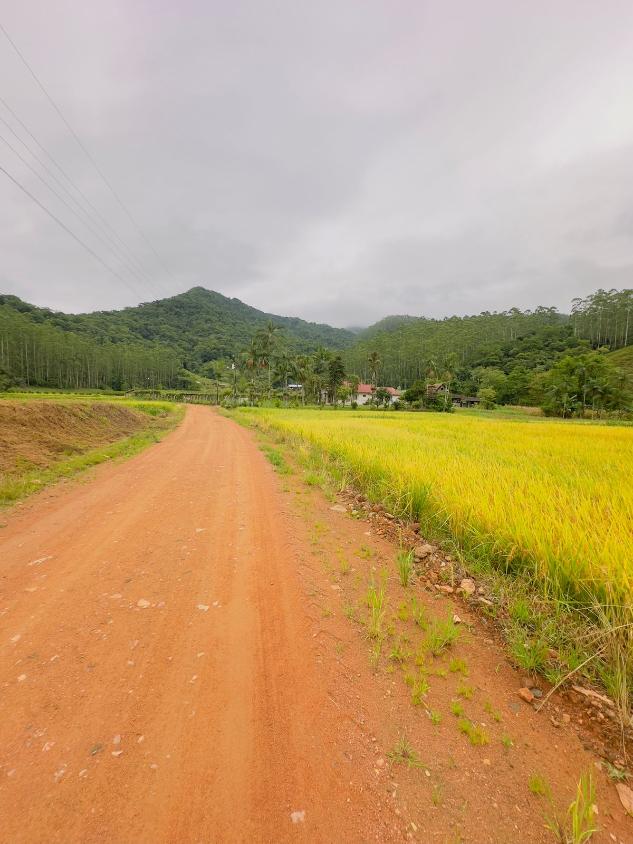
x,y
441,391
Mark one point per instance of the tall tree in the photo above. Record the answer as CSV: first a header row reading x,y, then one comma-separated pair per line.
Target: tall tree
x,y
336,376
374,364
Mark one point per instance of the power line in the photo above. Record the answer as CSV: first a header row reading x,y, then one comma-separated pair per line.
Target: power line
x,y
108,230
63,226
87,223
82,147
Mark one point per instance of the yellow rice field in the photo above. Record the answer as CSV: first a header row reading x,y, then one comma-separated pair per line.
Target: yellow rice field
x,y
554,497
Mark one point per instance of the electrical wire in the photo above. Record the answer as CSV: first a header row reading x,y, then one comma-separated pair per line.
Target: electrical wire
x,y
83,147
64,226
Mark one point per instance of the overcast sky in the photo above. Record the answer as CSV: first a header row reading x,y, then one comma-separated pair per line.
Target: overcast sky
x,y
337,161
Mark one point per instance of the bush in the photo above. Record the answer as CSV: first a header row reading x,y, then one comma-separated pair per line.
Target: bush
x,y
487,396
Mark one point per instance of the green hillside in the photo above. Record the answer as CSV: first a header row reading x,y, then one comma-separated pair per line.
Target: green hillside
x,y
388,323
623,359
409,350
200,325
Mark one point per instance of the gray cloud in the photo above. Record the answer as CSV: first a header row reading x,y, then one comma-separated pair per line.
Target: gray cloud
x,y
333,161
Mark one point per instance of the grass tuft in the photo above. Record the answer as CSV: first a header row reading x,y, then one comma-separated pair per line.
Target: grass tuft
x,y
476,734
403,753
404,562
441,635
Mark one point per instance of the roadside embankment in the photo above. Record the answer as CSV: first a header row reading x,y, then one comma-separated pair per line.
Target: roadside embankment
x,y
42,441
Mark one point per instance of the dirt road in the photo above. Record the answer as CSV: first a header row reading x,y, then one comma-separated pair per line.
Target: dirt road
x,y
156,676
184,658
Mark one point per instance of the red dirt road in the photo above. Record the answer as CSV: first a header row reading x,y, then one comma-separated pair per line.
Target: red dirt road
x,y
156,671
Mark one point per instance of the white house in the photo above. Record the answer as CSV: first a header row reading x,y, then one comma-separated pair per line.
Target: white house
x,y
364,393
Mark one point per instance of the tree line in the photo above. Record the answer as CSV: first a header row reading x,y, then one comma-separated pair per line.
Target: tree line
x,y
418,346
39,355
605,318
268,365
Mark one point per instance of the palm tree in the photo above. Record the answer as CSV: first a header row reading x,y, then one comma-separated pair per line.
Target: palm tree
x,y
251,356
321,359
250,359
374,363
285,368
353,381
266,339
304,370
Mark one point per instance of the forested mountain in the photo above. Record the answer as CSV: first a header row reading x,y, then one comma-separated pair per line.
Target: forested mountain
x,y
388,323
157,343
409,351
515,343
199,326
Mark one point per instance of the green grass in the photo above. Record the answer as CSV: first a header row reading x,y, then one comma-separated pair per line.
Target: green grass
x,y
276,458
376,602
488,707
579,825
404,562
403,753
476,734
539,786
418,613
457,708
457,665
441,635
399,653
419,689
465,691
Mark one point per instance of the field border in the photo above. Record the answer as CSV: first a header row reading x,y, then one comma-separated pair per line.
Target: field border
x,y
552,624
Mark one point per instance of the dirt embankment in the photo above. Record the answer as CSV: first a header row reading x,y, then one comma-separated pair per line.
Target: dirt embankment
x,y
37,434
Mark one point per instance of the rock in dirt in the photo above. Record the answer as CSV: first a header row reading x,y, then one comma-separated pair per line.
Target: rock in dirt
x,y
467,586
142,603
626,797
298,817
421,552
447,590
526,695
338,508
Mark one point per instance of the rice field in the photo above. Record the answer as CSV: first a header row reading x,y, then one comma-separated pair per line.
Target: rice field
x,y
551,498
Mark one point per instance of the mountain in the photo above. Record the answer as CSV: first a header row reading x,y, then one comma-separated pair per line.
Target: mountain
x,y
199,325
388,323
